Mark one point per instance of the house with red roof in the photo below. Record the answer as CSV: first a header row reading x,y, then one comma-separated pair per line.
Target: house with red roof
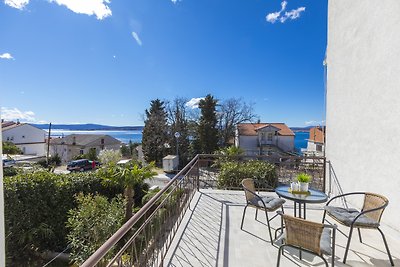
x,y
264,138
315,142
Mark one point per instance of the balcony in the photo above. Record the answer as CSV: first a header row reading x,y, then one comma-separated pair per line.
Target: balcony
x,y
193,222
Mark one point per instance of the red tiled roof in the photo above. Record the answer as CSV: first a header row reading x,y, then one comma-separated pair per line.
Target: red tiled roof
x,y
316,135
6,125
250,129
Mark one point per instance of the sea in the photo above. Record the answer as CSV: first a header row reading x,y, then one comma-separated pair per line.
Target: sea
x,y
300,139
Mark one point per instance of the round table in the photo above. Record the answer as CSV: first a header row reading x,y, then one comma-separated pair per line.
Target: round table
x,y
314,196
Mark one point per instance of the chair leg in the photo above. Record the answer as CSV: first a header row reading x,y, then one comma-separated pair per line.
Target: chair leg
x,y
269,228
256,214
280,251
333,247
359,234
323,217
387,247
348,244
244,212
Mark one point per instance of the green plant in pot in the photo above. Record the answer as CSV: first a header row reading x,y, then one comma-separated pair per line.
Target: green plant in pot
x,y
304,179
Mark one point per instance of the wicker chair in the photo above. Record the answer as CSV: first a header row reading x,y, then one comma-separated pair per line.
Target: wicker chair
x,y
369,217
265,203
315,238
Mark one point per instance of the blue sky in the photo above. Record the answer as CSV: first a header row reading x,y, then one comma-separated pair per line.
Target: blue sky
x,y
96,61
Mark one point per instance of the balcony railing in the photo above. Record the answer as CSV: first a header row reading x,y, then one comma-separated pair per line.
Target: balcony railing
x,y
144,240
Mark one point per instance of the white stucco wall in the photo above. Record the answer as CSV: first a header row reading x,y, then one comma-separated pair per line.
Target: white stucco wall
x,y
286,143
29,139
363,98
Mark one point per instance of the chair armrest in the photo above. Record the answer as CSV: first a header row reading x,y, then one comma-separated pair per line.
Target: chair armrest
x,y
343,195
367,211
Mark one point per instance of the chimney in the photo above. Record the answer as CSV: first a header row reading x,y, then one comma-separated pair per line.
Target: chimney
x,y
17,121
74,140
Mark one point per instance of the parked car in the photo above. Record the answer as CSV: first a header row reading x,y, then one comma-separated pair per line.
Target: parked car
x,y
80,165
8,162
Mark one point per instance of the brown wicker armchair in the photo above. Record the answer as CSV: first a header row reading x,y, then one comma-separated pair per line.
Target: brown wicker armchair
x,y
315,238
369,217
265,203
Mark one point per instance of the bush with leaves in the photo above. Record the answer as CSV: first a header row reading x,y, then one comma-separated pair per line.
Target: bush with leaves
x,y
10,171
107,156
92,223
36,206
11,148
232,173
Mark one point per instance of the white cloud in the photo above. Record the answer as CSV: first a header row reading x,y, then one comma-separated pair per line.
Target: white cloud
x,y
272,17
175,1
137,39
12,114
293,14
19,4
194,102
99,8
6,56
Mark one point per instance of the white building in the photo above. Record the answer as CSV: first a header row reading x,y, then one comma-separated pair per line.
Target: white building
x,y
363,98
315,142
73,145
30,139
264,138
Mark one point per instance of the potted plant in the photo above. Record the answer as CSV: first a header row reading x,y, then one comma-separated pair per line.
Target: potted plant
x,y
303,179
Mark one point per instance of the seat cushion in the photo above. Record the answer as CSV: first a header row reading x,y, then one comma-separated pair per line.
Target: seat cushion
x,y
346,217
325,243
271,203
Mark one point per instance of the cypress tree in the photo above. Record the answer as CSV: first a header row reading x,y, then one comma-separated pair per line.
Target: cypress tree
x,y
207,132
155,132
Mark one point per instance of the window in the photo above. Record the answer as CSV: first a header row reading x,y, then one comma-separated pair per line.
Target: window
x,y
269,136
319,148
8,138
23,136
81,151
102,141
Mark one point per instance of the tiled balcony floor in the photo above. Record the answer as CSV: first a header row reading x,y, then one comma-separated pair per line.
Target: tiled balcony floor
x,y
210,235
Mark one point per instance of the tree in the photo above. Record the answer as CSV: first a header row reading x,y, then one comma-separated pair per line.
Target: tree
x,y
155,132
11,148
231,112
107,156
178,122
92,223
207,132
129,175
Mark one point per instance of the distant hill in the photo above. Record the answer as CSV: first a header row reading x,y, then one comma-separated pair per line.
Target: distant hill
x,y
301,129
88,127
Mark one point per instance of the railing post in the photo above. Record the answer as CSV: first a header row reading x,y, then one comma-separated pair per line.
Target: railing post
x,y
198,173
324,176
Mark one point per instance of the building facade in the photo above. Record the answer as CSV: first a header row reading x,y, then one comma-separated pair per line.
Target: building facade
x,y
74,145
315,142
264,138
28,138
363,98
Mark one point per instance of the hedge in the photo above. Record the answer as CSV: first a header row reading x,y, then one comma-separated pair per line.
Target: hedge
x,y
232,173
36,209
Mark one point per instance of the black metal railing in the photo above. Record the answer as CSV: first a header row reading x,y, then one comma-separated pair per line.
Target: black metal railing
x,y
144,240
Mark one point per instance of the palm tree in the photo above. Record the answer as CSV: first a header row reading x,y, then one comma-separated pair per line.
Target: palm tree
x,y
128,175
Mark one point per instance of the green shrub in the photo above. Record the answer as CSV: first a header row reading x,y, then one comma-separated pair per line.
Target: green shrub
x,y
36,206
9,171
232,173
92,223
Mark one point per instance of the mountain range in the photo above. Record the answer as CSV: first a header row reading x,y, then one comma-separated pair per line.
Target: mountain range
x,y
88,127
